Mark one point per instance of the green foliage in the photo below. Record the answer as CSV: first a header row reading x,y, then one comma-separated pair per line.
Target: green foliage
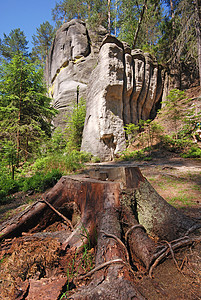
x,y
8,186
128,19
194,152
134,155
94,11
65,162
40,181
25,111
13,44
131,131
57,142
175,145
173,108
42,41
75,125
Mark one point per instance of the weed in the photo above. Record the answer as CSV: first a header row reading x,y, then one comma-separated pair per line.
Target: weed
x,y
84,262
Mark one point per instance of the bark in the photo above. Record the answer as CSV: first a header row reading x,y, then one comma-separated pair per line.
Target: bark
x,y
139,24
109,16
115,213
198,32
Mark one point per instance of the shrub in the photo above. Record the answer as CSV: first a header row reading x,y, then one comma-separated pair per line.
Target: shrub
x,y
39,182
65,163
7,184
194,152
75,125
136,155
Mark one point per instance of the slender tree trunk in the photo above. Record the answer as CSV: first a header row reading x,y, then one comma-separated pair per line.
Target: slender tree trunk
x,y
19,118
139,24
198,32
172,14
109,17
115,29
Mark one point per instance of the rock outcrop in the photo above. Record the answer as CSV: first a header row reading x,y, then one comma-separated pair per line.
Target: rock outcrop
x,y
72,58
126,86
120,85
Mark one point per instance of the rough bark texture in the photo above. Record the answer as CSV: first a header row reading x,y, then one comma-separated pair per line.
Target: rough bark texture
x,y
113,203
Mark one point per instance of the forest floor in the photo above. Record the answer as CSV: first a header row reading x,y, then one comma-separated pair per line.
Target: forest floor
x,y
177,180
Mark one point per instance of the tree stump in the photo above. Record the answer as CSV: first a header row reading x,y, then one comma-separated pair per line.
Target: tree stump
x,y
119,210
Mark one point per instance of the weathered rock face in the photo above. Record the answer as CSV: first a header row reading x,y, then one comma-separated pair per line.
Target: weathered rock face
x,y
121,86
72,58
125,87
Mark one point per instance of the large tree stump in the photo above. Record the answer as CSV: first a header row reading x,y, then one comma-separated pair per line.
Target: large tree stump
x,y
119,209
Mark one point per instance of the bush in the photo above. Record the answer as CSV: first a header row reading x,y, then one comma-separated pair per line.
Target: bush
x,y
173,145
7,184
39,182
135,155
194,152
75,125
65,163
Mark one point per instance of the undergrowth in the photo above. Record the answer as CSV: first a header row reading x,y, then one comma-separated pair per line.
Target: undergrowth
x,y
43,174
83,260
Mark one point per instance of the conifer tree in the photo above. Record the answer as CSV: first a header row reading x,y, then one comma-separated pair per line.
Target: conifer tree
x,y
25,112
42,41
12,44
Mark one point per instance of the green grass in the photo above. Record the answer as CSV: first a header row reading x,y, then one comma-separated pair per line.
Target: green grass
x,y
181,200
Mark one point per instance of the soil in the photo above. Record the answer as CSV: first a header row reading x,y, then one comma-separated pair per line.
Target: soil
x,y
26,273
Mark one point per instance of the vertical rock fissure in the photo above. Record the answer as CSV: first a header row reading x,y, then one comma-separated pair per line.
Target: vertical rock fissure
x,y
132,118
147,87
151,74
124,87
139,97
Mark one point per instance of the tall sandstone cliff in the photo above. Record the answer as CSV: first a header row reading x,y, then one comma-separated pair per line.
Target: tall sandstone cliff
x,y
120,85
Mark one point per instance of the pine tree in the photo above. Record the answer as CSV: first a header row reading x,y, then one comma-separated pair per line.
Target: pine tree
x,y
42,41
25,112
96,12
12,44
139,23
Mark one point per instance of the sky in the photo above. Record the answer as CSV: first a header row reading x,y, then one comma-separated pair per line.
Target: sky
x,y
26,15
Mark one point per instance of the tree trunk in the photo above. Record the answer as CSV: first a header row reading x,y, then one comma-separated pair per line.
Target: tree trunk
x,y
118,210
198,32
139,24
109,16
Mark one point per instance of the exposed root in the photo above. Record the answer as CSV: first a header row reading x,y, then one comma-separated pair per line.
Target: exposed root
x,y
193,228
157,257
103,265
173,256
119,241
130,229
57,212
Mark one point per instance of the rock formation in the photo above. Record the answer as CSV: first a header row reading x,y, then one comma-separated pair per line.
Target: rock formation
x,y
120,86
126,86
72,58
